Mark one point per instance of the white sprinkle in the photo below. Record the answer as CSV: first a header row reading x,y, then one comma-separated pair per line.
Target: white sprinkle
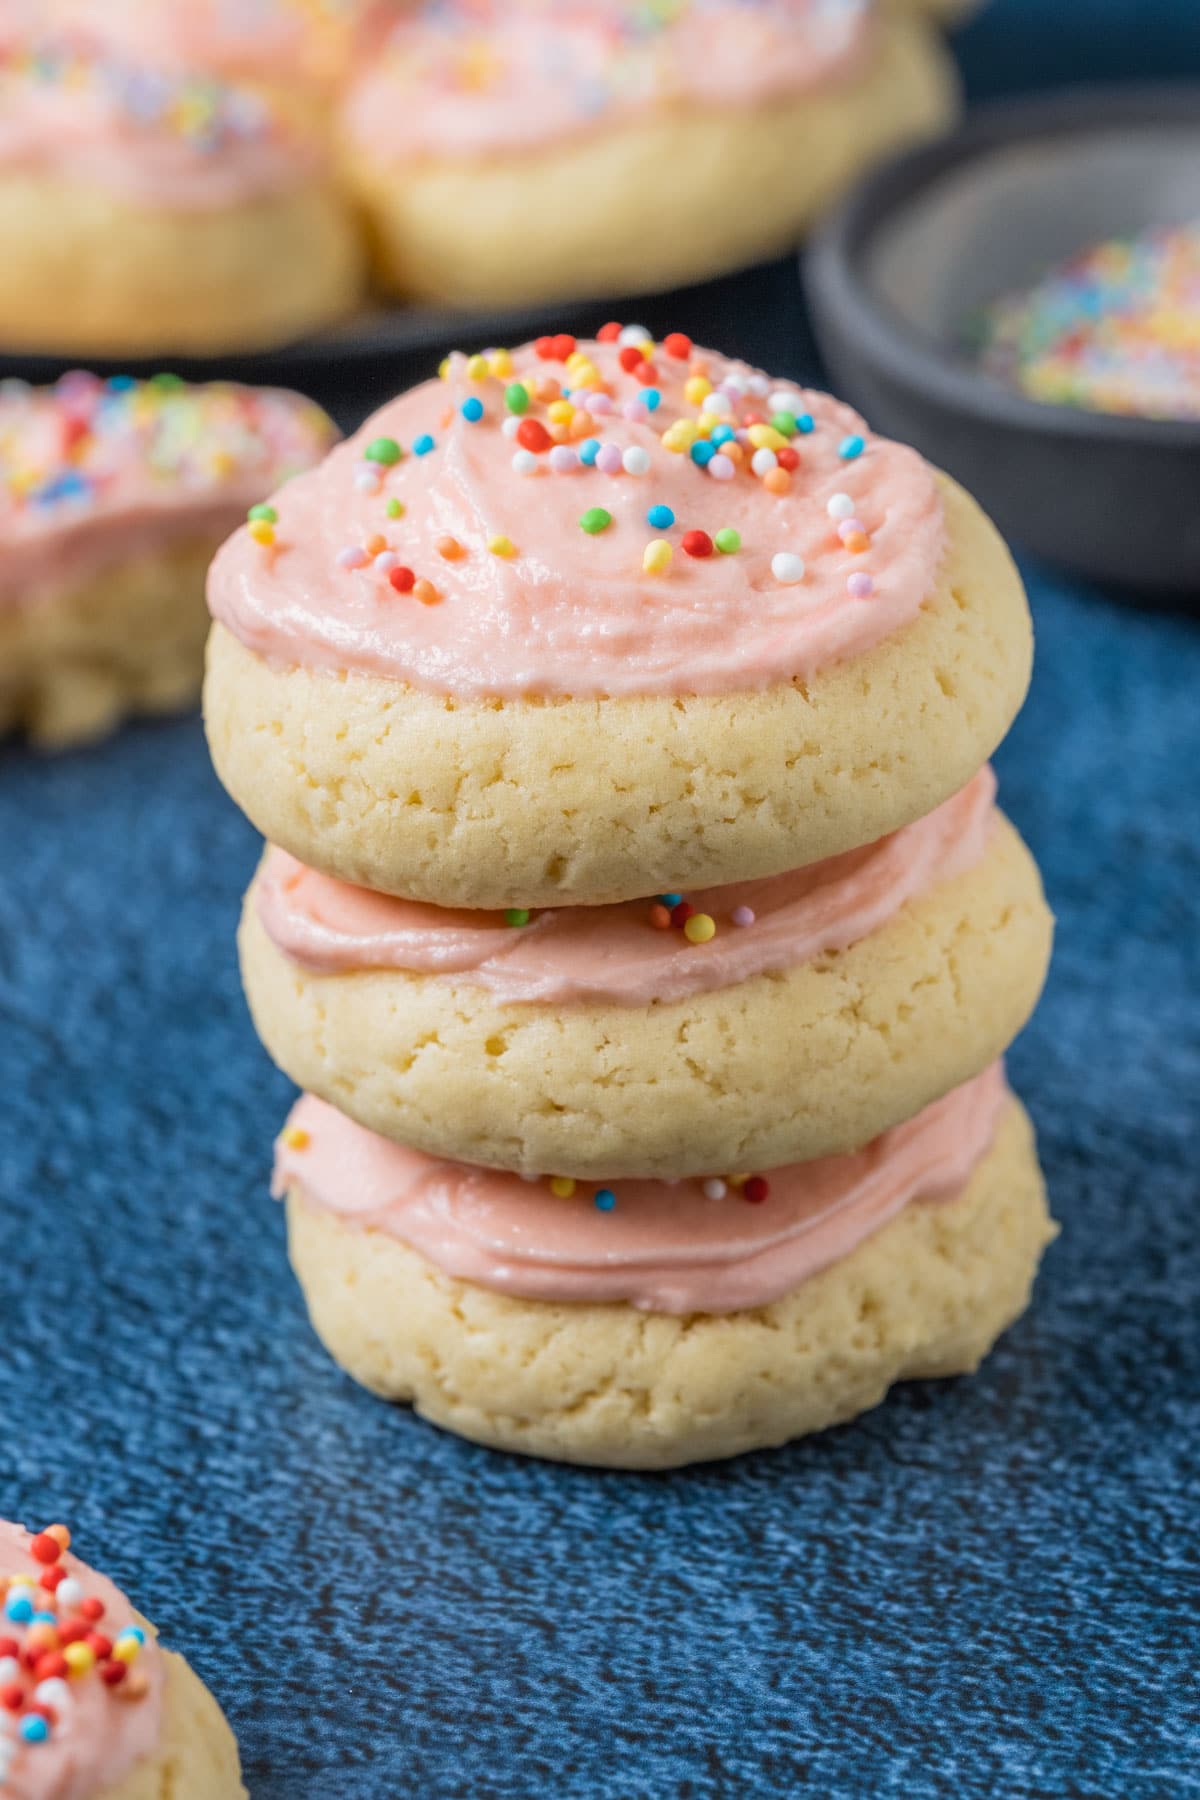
x,y
368,481
840,507
762,460
787,568
722,468
525,463
634,334
758,384
636,460
511,426
68,1593
783,400
715,1189
10,1670
54,1692
386,562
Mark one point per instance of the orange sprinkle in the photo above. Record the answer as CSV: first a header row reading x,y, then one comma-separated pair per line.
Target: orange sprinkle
x,y
296,1139
451,549
426,593
581,425
777,481
375,545
856,542
660,918
734,452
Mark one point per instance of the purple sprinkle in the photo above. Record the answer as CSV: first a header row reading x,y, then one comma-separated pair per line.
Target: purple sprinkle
x,y
387,562
563,459
633,409
860,587
610,459
742,915
721,468
352,558
599,404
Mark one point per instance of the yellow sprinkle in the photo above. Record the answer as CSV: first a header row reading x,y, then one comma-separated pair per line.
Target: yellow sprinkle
x,y
577,359
502,546
737,1181
765,437
656,558
477,368
680,436
560,412
296,1139
699,929
697,390
586,376
501,363
647,349
125,1649
261,532
80,1658
707,423
562,1186
444,367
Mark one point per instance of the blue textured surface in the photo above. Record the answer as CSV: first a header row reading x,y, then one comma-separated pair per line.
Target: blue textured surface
x,y
985,1589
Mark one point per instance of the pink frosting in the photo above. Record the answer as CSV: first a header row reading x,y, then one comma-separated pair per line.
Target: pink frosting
x,y
182,142
98,1735
664,1246
614,954
560,611
468,77
91,475
269,39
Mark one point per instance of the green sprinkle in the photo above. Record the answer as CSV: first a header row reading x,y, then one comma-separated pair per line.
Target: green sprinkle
x,y
395,508
785,423
516,915
728,541
516,397
383,450
595,519
266,513
169,384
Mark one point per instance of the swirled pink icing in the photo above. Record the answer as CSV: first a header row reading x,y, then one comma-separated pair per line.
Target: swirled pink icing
x,y
524,600
664,1246
98,1733
461,78
93,472
185,142
614,954
271,40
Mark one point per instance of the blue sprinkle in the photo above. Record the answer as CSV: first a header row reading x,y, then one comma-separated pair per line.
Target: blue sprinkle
x,y
723,434
703,452
605,1199
670,899
44,1618
132,1631
805,423
851,447
19,1608
120,384
589,450
472,410
34,1729
661,517
423,445
652,399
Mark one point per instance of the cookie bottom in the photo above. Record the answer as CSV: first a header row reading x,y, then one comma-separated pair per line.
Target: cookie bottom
x,y
613,1386
197,1756
511,228
128,641
88,273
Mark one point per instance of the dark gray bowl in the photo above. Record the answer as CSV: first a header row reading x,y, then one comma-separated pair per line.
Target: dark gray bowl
x,y
934,235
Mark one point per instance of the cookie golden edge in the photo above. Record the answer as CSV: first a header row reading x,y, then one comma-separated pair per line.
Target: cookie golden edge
x,y
611,1386
549,802
449,231
781,1068
129,641
249,276
197,1755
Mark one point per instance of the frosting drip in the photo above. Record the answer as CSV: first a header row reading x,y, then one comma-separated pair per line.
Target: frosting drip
x,y
97,1732
614,954
666,1247
469,77
786,549
92,472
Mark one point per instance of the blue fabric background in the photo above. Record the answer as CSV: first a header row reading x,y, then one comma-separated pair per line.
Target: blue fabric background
x,y
983,1589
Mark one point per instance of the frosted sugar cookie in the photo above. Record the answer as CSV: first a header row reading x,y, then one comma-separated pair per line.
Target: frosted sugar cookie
x,y
647,1325
591,622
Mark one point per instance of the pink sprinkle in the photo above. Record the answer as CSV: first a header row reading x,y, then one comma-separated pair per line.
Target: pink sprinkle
x,y
609,459
860,587
742,915
599,404
563,459
633,409
721,469
352,558
849,528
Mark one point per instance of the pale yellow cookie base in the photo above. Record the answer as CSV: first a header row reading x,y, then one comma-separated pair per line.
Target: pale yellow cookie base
x,y
128,641
540,803
942,12
88,273
197,1757
779,1069
609,1385
648,204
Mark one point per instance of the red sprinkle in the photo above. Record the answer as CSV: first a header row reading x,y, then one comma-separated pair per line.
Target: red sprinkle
x,y
755,1190
630,358
101,1645
12,1696
9,1646
608,334
697,543
788,458
681,913
403,579
113,1673
544,347
72,1631
532,435
677,345
44,1548
50,1667
42,1711
646,374
50,1578
564,346
91,1608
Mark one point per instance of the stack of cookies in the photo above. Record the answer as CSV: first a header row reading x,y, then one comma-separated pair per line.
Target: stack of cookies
x,y
637,914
